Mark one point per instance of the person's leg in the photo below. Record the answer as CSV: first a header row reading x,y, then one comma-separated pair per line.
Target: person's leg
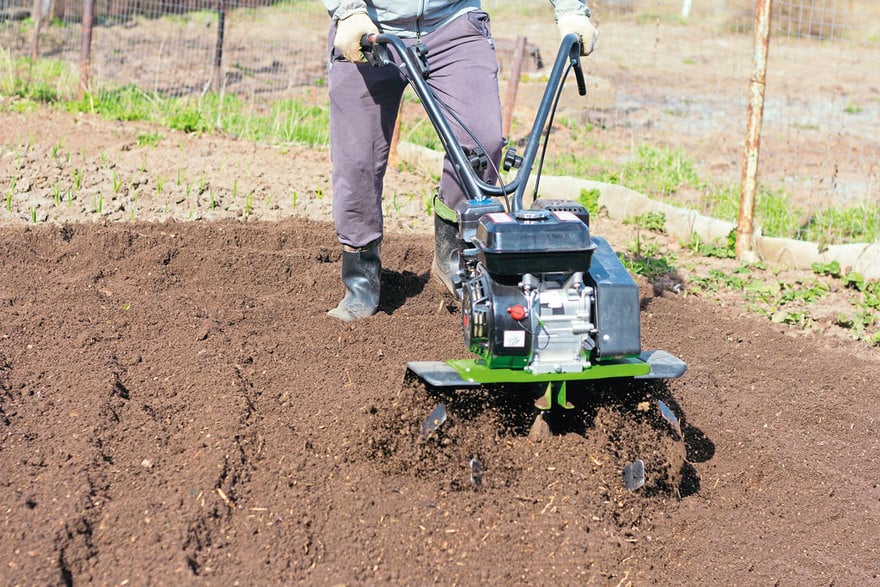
x,y
364,102
464,77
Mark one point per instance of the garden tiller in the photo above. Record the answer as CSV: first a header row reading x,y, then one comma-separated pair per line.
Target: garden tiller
x,y
543,301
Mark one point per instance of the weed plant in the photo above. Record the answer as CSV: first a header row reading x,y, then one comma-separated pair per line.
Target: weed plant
x,y
788,302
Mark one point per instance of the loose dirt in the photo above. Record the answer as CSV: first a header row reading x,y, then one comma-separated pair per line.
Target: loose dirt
x,y
176,407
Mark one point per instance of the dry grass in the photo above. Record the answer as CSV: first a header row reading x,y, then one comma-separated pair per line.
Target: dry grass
x,y
855,20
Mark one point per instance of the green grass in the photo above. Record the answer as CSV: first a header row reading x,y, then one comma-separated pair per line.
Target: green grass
x,y
148,139
664,174
53,82
283,122
653,171
9,193
859,223
43,80
420,132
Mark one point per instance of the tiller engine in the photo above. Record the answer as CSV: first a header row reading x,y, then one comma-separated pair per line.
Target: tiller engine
x,y
543,300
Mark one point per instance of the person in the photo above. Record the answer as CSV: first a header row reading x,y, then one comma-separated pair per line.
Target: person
x,y
364,102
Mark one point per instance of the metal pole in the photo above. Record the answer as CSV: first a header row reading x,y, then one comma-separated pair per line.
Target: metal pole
x,y
686,8
513,85
745,221
85,54
218,48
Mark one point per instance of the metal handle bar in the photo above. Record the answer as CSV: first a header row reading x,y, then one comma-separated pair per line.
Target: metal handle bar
x,y
474,187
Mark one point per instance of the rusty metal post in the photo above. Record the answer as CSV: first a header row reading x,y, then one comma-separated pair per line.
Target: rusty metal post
x,y
513,85
745,221
85,54
218,47
395,137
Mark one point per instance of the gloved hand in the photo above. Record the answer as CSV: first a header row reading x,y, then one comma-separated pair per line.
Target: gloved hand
x,y
348,35
581,26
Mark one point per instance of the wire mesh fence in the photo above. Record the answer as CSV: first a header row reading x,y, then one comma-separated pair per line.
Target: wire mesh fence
x,y
679,71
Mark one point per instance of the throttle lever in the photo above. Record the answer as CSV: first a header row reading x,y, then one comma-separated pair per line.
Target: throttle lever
x,y
575,58
420,52
376,53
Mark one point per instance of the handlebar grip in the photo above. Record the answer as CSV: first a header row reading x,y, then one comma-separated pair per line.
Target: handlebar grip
x,y
368,40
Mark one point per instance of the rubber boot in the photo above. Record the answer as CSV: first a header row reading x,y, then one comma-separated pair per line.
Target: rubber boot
x,y
361,274
445,267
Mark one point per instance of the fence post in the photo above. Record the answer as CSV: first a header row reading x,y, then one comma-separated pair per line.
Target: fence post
x,y
37,17
85,54
395,137
513,86
686,8
745,221
218,48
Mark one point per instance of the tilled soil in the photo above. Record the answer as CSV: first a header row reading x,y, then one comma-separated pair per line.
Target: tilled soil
x,y
176,407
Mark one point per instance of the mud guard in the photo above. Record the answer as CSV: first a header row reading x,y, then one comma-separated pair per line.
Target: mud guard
x,y
464,374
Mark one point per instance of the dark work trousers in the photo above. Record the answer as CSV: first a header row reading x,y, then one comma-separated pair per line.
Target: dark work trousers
x,y
364,102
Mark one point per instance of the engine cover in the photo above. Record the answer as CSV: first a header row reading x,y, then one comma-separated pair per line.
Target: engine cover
x,y
533,241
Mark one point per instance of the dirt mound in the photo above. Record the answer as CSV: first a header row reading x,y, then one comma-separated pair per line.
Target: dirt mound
x,y
175,406
482,440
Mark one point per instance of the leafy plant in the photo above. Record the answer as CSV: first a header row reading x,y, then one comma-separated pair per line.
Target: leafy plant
x,y
650,267
589,199
700,247
652,221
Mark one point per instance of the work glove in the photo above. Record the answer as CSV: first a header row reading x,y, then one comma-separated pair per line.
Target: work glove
x,y
349,31
579,25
